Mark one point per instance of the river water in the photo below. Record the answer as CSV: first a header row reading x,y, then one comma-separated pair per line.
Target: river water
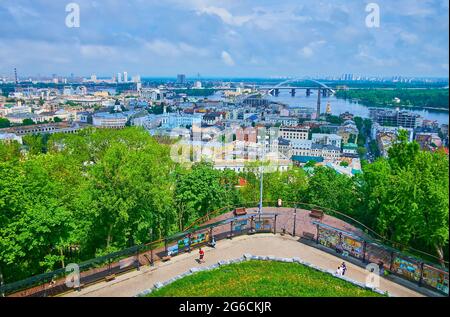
x,y
339,106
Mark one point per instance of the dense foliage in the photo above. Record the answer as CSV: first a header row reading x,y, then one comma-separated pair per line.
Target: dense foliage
x,y
104,190
420,98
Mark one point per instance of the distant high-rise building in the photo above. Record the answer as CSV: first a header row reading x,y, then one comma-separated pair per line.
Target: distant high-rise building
x,y
93,78
181,79
136,79
328,110
319,93
125,77
16,79
119,77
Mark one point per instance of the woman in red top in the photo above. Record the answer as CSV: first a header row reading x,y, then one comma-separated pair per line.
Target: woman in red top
x,y
202,254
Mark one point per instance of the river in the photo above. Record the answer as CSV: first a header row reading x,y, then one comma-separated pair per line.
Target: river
x,y
339,106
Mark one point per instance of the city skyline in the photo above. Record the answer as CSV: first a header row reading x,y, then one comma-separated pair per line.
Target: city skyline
x,y
225,39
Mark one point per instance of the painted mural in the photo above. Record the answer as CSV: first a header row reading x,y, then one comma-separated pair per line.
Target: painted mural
x,y
328,238
352,246
240,225
263,225
199,238
406,268
435,278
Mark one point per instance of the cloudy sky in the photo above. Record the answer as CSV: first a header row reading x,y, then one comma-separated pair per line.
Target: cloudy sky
x,y
257,38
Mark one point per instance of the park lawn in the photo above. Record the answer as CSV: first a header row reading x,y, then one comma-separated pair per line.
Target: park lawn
x,y
262,279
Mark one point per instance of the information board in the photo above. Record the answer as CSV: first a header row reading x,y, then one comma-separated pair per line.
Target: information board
x,y
199,238
406,268
263,225
240,225
435,278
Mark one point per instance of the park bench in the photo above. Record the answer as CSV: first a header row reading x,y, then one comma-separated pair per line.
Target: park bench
x,y
166,258
308,235
316,213
110,277
240,212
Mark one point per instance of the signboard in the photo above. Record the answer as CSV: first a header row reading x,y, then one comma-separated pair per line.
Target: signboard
x,y
172,250
328,238
199,238
406,268
183,244
352,246
179,247
263,225
240,225
435,278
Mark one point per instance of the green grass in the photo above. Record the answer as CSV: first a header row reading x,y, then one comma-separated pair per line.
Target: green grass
x,y
262,279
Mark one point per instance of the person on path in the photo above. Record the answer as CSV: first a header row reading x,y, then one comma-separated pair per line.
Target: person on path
x,y
344,268
213,242
339,271
201,255
381,268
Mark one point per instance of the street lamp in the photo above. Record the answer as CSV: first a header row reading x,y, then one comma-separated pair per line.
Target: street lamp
x,y
260,209
295,219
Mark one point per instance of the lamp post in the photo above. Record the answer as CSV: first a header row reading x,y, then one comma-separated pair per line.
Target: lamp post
x,y
151,246
295,219
264,142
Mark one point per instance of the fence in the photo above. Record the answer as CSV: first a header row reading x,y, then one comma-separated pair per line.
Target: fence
x,y
356,244
393,261
108,266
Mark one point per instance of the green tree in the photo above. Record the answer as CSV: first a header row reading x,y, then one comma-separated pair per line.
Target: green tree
x,y
4,123
27,122
329,189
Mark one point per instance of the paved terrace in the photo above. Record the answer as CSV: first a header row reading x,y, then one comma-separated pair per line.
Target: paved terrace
x,y
132,283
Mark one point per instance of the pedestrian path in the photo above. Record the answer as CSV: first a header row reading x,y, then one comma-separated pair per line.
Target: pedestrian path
x,y
135,282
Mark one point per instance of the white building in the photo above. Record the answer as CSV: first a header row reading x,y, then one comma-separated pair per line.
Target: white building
x,y
176,120
294,133
109,120
377,129
301,147
327,139
10,137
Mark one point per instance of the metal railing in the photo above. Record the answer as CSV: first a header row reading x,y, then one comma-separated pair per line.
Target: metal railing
x,y
94,270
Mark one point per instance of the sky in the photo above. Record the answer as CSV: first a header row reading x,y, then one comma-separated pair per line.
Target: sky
x,y
236,38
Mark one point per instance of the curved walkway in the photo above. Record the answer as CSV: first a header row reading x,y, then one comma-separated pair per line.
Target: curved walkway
x,y
132,283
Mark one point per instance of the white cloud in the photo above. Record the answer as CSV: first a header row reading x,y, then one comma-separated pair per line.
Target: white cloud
x,y
227,59
98,50
409,38
309,50
225,15
165,48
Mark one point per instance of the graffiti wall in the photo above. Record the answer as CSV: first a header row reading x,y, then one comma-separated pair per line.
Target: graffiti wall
x,y
328,237
180,246
377,254
240,225
407,268
263,225
352,246
199,238
435,278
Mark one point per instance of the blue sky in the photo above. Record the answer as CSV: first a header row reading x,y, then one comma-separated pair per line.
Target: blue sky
x,y
240,38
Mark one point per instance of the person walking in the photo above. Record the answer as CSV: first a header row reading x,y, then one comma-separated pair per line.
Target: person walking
x,y
381,268
339,271
344,268
201,256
